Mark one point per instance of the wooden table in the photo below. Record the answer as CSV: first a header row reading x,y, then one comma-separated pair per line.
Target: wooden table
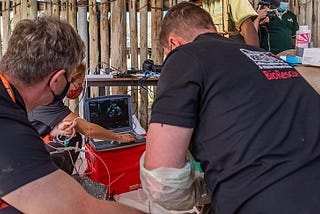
x,y
127,81
311,74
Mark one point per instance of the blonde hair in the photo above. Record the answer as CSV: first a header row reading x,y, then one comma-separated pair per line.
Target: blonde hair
x,y
79,73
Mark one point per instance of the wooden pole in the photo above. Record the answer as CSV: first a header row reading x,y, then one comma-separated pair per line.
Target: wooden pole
x,y
309,13
302,14
6,24
171,3
93,43
83,32
16,12
105,38
55,8
72,19
156,20
29,9
47,8
64,10
72,13
118,41
82,25
143,110
134,51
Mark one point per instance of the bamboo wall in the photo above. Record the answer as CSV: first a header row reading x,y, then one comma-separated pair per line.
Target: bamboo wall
x,y
106,31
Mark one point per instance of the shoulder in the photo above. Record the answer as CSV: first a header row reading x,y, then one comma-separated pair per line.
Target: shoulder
x,y
289,14
52,109
51,114
29,160
241,10
241,5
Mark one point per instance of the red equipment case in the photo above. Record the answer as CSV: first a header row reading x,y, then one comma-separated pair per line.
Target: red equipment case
x,y
123,165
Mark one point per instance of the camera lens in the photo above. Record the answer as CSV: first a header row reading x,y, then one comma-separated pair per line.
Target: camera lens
x,y
271,14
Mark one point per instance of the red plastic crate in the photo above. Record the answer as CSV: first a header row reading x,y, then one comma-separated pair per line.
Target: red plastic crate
x,y
123,165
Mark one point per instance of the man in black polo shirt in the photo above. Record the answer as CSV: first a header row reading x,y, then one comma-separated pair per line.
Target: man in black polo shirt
x,y
35,71
248,117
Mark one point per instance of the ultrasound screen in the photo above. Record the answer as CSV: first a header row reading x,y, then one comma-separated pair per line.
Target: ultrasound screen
x,y
110,113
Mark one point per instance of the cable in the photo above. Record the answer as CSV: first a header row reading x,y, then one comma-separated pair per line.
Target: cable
x,y
64,139
67,150
141,81
106,167
77,149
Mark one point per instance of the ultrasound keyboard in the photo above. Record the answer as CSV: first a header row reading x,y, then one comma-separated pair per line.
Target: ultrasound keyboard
x,y
105,145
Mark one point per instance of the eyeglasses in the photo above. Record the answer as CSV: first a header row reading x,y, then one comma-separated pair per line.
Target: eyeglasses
x,y
78,85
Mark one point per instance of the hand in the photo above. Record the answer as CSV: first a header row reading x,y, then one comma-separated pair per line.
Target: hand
x,y
127,138
64,128
264,21
262,13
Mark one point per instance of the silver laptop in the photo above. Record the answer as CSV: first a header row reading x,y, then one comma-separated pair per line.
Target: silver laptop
x,y
114,113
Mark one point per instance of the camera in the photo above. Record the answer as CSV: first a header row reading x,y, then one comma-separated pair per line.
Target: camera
x,y
271,5
271,14
148,65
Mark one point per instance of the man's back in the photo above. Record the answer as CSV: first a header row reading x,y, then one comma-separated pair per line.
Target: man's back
x,y
255,119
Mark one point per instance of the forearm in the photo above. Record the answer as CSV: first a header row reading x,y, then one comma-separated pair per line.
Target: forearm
x,y
46,195
174,188
249,33
256,24
94,131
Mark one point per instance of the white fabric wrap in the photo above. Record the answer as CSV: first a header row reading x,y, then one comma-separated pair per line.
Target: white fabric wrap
x,y
173,188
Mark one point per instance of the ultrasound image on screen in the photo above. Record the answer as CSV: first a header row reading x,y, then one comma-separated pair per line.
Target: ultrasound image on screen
x,y
110,114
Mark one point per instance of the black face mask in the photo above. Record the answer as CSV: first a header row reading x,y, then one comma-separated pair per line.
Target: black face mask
x,y
63,93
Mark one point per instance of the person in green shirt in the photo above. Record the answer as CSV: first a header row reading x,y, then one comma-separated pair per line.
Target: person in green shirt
x,y
279,34
233,18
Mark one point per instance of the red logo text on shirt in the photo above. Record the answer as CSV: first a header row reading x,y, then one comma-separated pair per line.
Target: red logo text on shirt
x,y
277,75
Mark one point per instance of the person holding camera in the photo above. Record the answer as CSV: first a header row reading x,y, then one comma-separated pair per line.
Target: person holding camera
x,y
262,17
279,33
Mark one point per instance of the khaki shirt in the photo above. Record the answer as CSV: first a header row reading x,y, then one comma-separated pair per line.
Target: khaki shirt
x,y
237,12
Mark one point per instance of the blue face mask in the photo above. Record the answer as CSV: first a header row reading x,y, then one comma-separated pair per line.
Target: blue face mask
x,y
283,6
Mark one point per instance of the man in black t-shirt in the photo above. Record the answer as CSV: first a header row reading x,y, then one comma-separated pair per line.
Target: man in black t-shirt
x,y
35,70
247,116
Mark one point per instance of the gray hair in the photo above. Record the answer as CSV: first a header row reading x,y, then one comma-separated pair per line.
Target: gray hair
x,y
40,47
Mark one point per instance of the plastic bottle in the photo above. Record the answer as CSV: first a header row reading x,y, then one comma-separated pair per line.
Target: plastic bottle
x,y
303,39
